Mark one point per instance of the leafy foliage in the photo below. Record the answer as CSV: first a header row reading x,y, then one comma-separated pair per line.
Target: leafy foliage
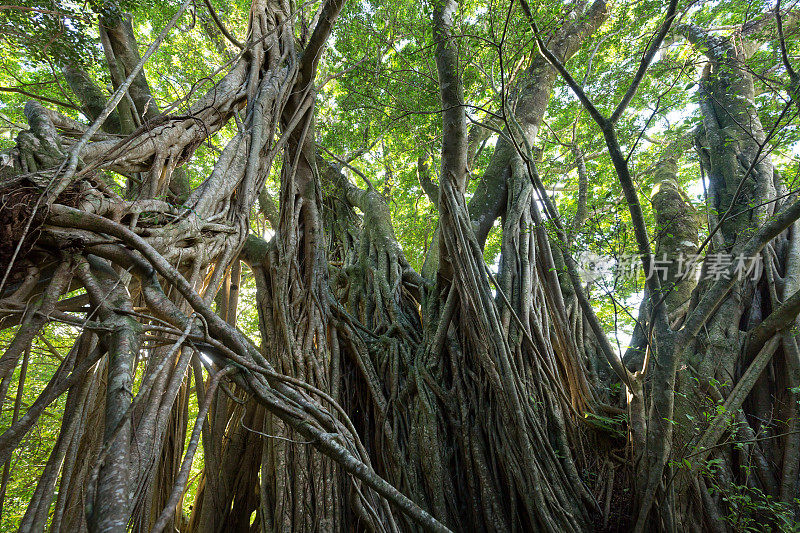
x,y
379,98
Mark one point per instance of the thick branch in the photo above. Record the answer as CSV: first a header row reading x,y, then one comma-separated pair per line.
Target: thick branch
x,y
318,41
451,92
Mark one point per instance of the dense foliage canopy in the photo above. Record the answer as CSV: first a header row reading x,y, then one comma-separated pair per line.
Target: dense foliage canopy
x,y
325,266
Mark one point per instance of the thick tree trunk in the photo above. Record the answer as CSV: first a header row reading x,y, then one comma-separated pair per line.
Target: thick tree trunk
x,y
381,398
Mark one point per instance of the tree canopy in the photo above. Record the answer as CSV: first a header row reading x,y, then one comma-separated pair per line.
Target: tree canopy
x,y
480,265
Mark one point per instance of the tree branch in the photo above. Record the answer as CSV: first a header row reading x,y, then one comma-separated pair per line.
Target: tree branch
x,y
318,41
655,44
221,26
424,177
715,294
451,91
37,97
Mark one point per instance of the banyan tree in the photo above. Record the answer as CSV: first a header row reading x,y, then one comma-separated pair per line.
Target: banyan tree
x,y
279,266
